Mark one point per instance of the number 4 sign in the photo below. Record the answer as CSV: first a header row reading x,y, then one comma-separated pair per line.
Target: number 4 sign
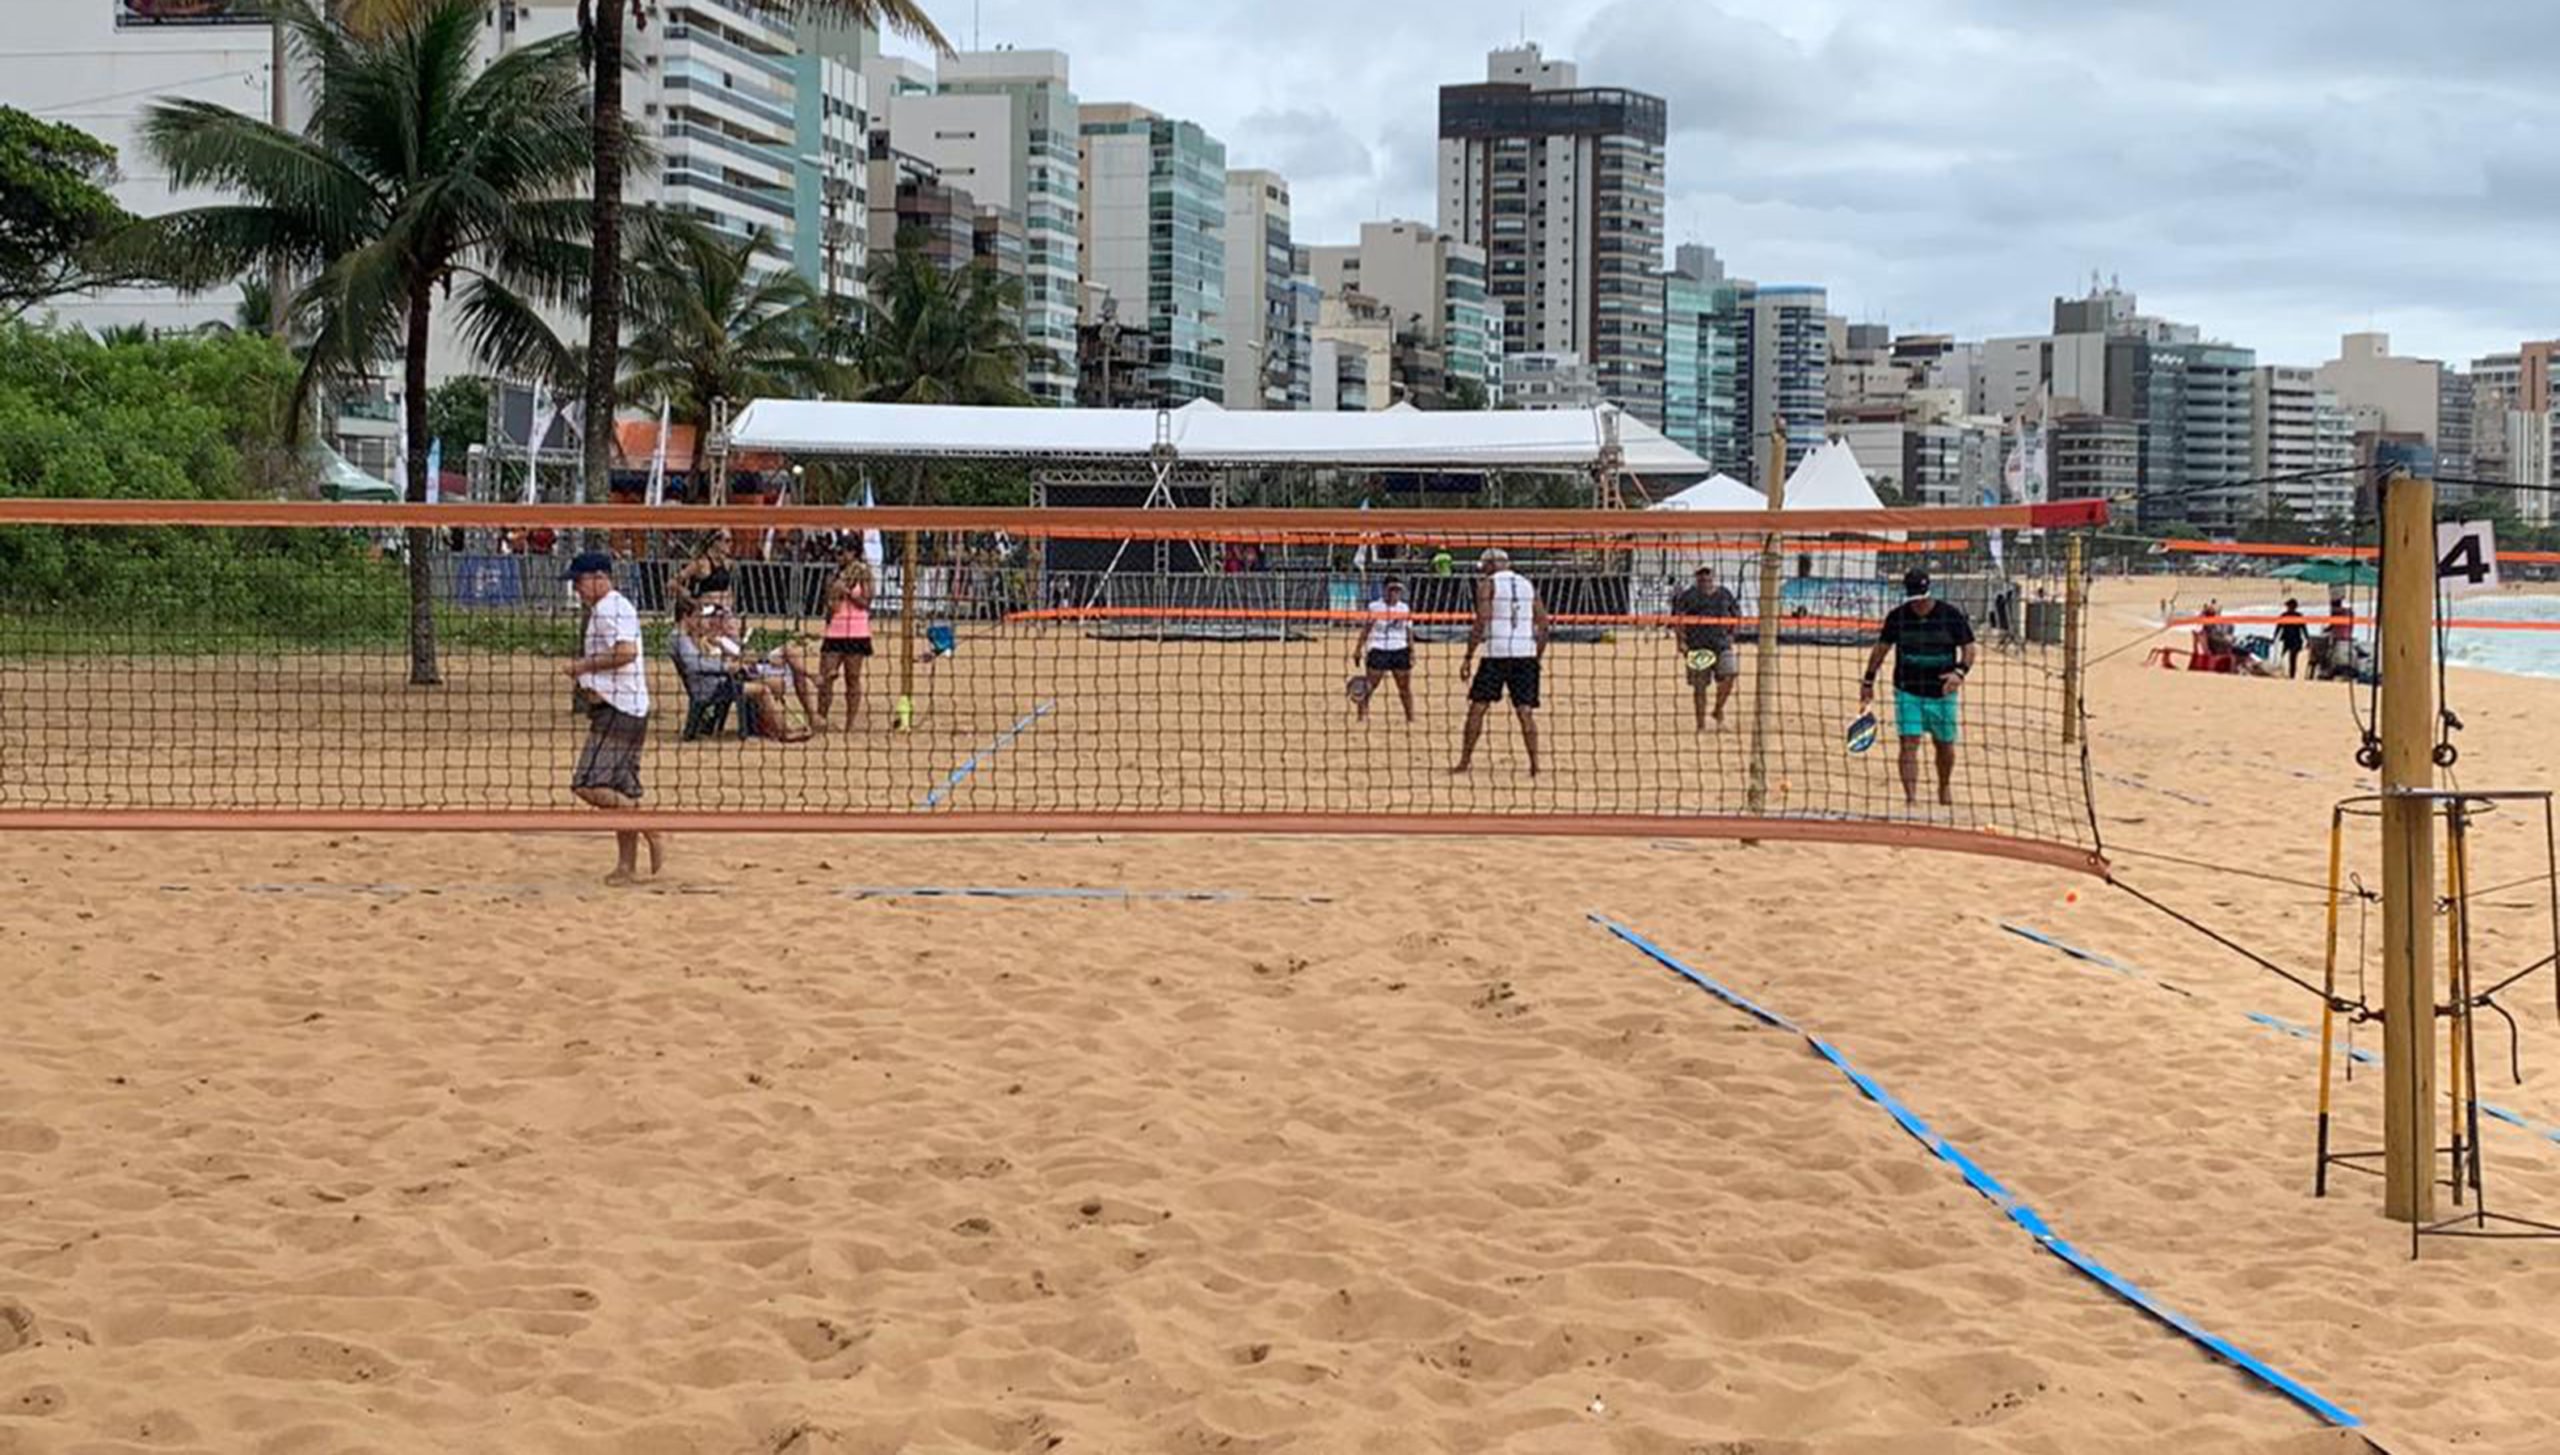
x,y
2466,556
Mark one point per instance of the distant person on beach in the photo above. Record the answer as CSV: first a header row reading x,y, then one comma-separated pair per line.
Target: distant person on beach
x,y
613,688
846,647
1704,598
1511,630
707,576
1932,647
2292,634
2337,656
1386,647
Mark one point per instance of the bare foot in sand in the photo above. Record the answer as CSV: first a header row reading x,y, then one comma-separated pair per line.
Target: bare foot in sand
x,y
621,879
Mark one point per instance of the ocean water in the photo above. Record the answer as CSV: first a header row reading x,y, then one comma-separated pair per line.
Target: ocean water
x,y
2526,654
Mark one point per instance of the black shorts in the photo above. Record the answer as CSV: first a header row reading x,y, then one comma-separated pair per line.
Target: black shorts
x,y
611,757
845,647
1496,675
1381,659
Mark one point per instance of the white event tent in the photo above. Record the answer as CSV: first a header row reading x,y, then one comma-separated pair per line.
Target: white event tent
x,y
1563,441
1656,573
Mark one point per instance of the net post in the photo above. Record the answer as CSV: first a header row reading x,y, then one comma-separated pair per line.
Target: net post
x,y
1765,651
2075,601
2408,712
910,592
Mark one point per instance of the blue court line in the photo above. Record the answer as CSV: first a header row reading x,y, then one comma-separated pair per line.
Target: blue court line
x,y
961,774
2027,1218
1067,892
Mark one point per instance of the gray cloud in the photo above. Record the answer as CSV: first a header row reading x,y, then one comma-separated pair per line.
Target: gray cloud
x,y
2276,173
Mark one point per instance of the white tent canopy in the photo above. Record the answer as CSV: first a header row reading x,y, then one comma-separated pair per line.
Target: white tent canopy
x,y
1716,492
1830,479
1200,434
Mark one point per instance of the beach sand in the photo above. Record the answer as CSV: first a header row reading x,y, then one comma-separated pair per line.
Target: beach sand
x,y
382,1143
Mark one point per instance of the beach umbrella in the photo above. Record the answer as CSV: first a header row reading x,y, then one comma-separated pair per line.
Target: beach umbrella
x,y
2330,571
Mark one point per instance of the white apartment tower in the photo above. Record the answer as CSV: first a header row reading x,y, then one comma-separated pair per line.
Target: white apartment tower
x,y
2296,425
1561,186
1263,351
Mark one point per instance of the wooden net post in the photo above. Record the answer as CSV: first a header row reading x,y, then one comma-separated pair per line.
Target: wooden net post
x,y
1764,671
2408,715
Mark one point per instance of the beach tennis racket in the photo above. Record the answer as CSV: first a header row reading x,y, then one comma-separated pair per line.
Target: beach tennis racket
x,y
1862,732
1701,660
1356,687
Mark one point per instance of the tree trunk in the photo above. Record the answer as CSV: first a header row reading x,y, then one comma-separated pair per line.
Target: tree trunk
x,y
422,542
604,281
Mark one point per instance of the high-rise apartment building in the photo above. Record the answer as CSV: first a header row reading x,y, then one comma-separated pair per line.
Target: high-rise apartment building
x,y
1002,125
1265,353
1155,221
2496,382
2418,399
2295,426
1782,369
1701,359
1561,185
1431,288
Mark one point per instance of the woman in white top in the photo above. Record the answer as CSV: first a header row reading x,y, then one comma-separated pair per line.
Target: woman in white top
x,y
1511,631
1386,647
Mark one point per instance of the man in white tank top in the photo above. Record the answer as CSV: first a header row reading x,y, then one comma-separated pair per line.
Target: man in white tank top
x,y
1510,631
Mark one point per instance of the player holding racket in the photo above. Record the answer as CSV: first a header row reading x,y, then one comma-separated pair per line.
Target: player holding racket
x,y
1932,646
1706,644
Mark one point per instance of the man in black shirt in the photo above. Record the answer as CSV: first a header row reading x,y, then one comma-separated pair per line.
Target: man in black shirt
x,y
1704,598
1932,645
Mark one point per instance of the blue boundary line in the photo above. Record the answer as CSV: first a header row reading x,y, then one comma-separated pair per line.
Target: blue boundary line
x,y
961,774
1072,893
2027,1218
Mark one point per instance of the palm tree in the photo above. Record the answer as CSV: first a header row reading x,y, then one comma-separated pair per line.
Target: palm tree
x,y
936,336
713,320
601,22
420,169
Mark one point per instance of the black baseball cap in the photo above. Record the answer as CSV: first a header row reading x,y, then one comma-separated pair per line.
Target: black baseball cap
x,y
1915,582
588,562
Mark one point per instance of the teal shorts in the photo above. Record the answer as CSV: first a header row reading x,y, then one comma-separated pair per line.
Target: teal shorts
x,y
1924,717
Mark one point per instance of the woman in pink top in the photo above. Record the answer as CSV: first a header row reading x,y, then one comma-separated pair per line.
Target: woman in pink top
x,y
847,644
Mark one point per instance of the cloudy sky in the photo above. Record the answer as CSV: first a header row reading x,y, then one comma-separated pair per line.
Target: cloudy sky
x,y
2278,171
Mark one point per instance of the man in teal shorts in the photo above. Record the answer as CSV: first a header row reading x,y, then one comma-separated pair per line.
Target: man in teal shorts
x,y
1932,645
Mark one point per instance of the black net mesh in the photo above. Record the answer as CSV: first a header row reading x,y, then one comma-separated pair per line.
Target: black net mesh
x,y
1050,669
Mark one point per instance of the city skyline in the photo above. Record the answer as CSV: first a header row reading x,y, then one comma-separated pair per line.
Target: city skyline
x,y
1952,166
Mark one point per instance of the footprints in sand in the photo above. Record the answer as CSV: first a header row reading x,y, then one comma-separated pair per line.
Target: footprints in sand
x,y
307,1356
18,1135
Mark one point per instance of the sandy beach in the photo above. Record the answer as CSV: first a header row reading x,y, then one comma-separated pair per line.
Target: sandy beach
x,y
392,1144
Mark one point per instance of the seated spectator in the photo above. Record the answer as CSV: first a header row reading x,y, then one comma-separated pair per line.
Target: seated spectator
x,y
779,668
711,681
706,577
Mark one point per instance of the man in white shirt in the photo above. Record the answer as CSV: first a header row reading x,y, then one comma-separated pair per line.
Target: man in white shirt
x,y
1387,647
613,687
1511,630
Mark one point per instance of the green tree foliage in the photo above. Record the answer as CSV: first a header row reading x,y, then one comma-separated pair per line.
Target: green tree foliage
x,y
458,414
189,418
931,336
714,317
421,169
55,213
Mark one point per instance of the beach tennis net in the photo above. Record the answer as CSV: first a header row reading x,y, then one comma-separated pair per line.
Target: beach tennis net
x,y
298,665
